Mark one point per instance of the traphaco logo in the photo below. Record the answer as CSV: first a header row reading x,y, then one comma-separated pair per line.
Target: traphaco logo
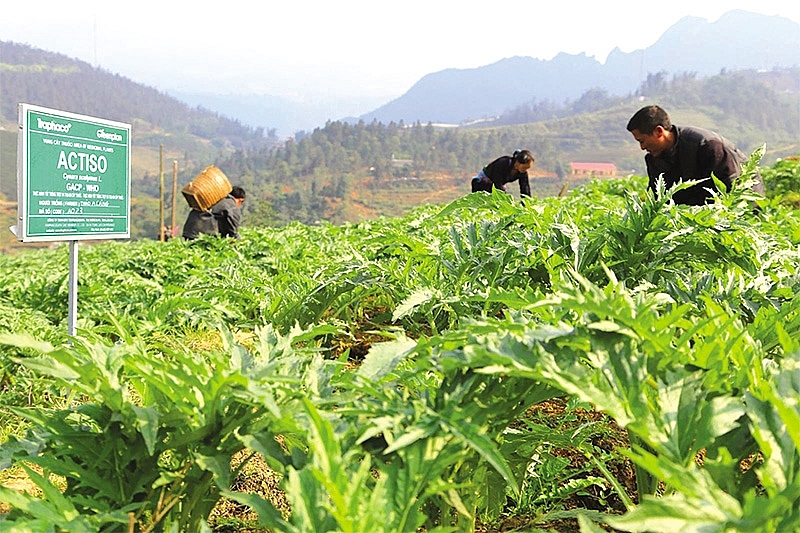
x,y
109,135
52,125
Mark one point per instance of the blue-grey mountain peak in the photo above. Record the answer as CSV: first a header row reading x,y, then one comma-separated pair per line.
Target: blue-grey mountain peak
x,y
738,40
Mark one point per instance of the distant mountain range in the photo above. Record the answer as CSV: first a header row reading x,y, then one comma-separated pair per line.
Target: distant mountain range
x,y
738,40
277,114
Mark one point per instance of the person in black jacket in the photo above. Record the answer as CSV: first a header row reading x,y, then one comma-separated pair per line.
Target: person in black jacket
x,y
222,219
503,170
686,153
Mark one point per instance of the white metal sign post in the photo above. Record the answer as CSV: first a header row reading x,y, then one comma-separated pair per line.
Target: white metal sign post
x,y
74,182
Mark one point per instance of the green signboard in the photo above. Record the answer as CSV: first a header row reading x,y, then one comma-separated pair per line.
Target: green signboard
x,y
74,176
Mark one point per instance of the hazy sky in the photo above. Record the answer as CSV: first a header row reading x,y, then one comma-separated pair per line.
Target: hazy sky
x,y
318,49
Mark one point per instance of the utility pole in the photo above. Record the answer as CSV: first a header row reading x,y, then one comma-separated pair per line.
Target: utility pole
x,y
174,194
161,192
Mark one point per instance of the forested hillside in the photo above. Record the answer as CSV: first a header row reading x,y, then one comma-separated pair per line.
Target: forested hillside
x,y
766,98
54,80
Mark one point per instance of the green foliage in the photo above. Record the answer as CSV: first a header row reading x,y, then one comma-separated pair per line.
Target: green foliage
x,y
782,181
385,369
158,430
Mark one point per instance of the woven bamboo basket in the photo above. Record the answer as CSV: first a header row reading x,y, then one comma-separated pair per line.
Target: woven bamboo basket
x,y
207,188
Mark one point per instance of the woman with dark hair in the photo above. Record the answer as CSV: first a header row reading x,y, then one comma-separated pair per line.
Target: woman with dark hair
x,y
504,170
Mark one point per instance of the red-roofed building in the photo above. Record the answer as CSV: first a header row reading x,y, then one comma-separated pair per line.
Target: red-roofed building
x,y
599,170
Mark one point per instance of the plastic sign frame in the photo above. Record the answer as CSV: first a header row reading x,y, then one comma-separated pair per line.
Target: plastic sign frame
x,y
74,176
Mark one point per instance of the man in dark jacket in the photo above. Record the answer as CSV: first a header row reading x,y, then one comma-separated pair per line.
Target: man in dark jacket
x,y
686,153
222,219
503,170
